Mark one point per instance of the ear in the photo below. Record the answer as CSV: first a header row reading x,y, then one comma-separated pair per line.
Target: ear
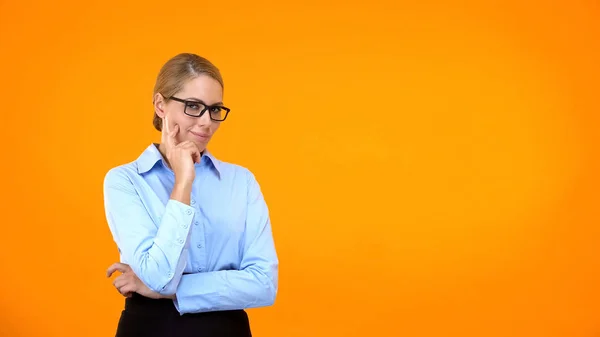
x,y
159,105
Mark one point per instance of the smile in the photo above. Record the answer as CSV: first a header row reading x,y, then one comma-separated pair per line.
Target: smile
x,y
201,136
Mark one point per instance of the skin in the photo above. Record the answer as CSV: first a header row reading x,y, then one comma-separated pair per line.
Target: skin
x,y
183,141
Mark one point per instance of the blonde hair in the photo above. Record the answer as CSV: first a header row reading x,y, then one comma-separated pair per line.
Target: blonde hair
x,y
176,72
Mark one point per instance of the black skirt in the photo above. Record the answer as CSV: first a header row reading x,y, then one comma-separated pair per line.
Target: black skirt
x,y
147,317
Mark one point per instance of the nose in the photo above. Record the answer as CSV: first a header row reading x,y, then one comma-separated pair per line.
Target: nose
x,y
204,119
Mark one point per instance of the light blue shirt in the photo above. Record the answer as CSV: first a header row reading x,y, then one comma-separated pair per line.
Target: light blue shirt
x,y
215,254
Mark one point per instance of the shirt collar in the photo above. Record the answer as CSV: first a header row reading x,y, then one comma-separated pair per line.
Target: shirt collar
x,y
214,161
152,155
148,159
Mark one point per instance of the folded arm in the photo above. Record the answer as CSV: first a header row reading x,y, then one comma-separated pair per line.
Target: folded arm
x,y
254,284
156,252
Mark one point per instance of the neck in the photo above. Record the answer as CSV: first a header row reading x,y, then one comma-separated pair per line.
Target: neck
x,y
163,151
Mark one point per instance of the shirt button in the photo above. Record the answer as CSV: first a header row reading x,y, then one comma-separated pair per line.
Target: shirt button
x,y
189,211
196,223
199,269
180,241
199,245
185,226
170,275
193,202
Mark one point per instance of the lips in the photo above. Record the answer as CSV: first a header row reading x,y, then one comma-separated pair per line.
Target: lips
x,y
200,135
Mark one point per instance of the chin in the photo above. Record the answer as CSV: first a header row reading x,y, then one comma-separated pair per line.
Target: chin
x,y
201,146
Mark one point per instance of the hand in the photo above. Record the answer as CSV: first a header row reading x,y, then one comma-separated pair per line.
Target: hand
x,y
181,156
128,283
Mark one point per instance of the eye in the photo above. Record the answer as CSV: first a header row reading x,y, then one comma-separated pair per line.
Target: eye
x,y
193,106
215,109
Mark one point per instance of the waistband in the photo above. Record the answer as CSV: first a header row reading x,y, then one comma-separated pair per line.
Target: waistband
x,y
148,306
144,305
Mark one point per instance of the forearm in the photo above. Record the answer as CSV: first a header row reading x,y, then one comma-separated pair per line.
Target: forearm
x,y
226,290
159,261
154,247
159,268
181,193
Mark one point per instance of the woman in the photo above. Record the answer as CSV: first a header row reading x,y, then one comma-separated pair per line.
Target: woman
x,y
193,232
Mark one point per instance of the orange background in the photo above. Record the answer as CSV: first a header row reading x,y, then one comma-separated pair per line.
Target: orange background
x,y
431,168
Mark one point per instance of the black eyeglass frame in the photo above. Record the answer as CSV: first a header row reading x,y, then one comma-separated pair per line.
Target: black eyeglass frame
x,y
206,107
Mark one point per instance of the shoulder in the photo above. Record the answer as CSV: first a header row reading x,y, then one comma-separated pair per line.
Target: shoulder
x,y
135,168
236,170
121,174
240,176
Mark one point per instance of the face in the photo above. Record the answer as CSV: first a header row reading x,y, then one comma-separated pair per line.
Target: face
x,y
199,130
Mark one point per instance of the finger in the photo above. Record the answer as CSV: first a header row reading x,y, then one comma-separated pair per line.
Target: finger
x,y
117,266
194,151
166,124
196,155
121,280
126,289
165,131
169,133
172,134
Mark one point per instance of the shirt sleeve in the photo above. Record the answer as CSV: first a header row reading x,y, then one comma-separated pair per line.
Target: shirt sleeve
x,y
156,252
253,285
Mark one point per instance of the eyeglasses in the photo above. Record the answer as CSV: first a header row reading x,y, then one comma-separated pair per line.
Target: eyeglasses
x,y
217,113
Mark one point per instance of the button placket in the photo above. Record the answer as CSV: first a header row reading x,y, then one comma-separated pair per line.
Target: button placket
x,y
199,238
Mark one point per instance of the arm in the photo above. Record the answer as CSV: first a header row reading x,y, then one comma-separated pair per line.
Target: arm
x,y
155,253
254,285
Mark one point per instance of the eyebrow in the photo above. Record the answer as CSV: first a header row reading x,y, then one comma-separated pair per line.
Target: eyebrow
x,y
201,101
